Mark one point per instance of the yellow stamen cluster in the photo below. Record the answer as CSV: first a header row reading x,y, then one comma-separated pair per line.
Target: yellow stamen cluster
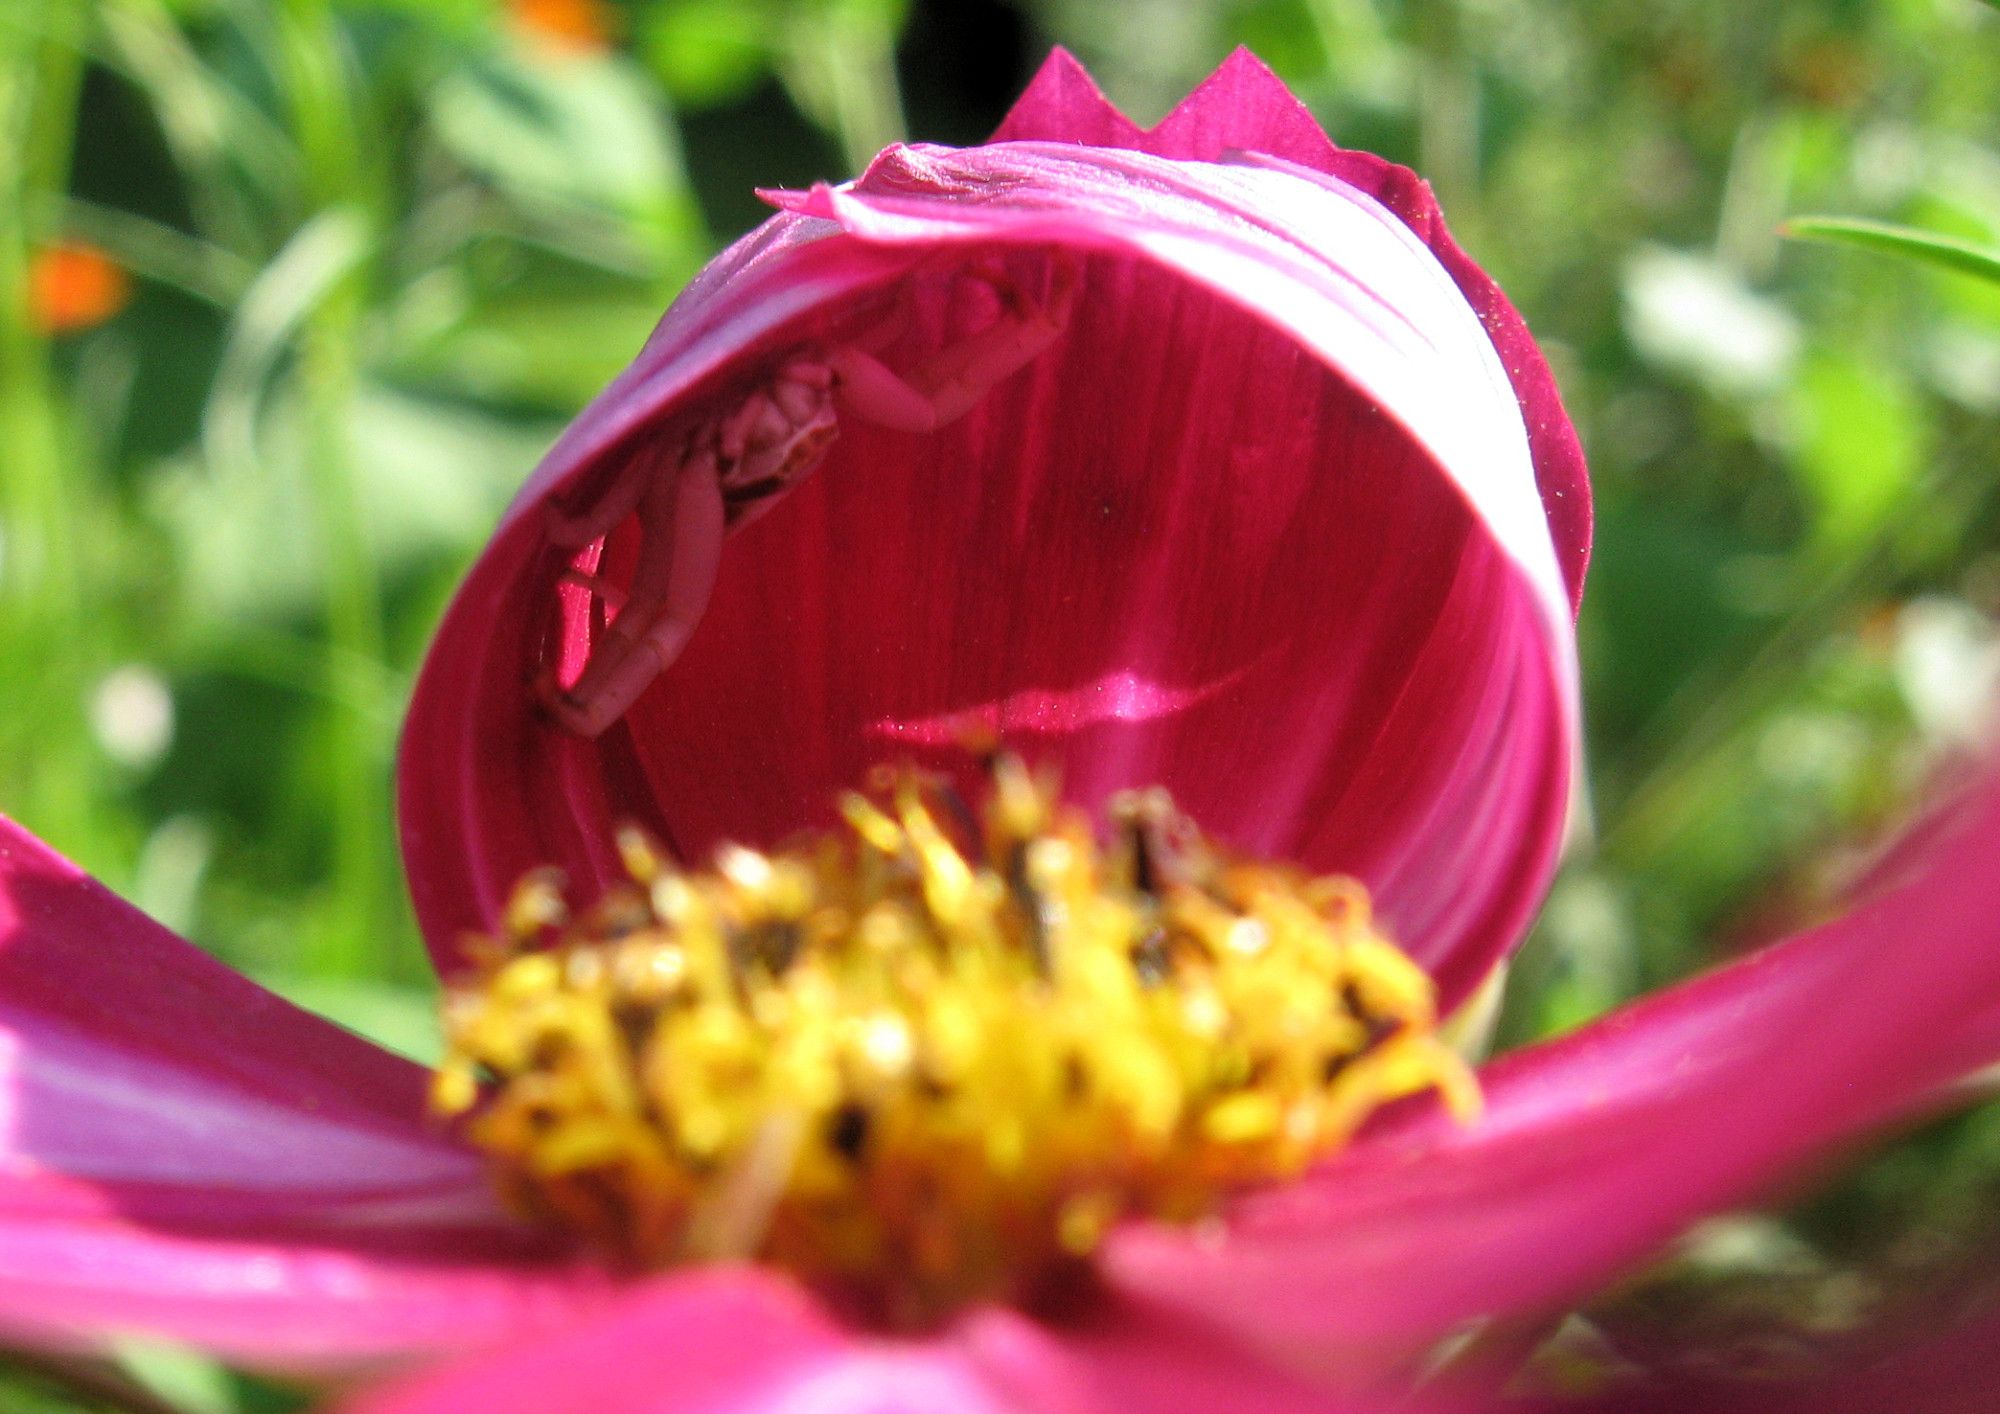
x,y
934,1056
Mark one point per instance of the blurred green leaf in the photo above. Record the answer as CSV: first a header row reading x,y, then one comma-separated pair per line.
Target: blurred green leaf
x,y
543,349
432,474
452,17
236,159
709,52
29,1392
838,63
1949,252
178,1376
582,130
1861,443
304,273
155,251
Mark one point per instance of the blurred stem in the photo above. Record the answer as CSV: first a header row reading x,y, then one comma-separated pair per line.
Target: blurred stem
x,y
841,68
354,942
1756,192
1447,106
155,251
207,125
312,55
43,557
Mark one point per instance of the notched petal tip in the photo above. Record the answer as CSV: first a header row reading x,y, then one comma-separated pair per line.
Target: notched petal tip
x,y
1242,105
1244,109
1063,103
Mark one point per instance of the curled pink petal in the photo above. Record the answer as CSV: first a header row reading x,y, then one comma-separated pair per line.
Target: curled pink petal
x,y
1288,480
1242,108
183,1153
1597,1148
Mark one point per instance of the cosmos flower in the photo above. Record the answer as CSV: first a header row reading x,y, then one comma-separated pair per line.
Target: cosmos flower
x,y
1287,519
1279,510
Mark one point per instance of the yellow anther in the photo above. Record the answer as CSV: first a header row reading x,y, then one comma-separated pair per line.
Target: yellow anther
x,y
1084,1221
533,976
745,868
1020,810
642,859
454,1089
947,876
1253,1114
927,1060
671,897
884,1040
537,903
881,833
1247,936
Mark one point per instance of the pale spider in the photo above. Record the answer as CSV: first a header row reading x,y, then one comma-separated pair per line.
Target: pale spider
x,y
734,464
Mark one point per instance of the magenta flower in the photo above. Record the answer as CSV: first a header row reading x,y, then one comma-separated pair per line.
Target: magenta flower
x,y
1275,505
1261,525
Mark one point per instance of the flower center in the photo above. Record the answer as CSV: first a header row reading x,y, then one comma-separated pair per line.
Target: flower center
x,y
932,1057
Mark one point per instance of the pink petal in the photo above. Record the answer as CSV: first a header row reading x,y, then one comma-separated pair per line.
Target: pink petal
x,y
744,1341
734,1339
1062,103
334,1303
1597,1148
182,1152
1128,1356
1244,107
131,1059
1264,526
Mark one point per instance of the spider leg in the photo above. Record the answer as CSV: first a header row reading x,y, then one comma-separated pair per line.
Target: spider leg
x,y
595,585
949,384
680,550
569,531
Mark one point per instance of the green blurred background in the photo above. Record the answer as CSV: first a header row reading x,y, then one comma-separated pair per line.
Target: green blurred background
x,y
295,293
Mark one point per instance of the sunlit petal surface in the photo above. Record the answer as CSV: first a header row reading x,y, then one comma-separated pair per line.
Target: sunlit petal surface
x,y
183,1153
